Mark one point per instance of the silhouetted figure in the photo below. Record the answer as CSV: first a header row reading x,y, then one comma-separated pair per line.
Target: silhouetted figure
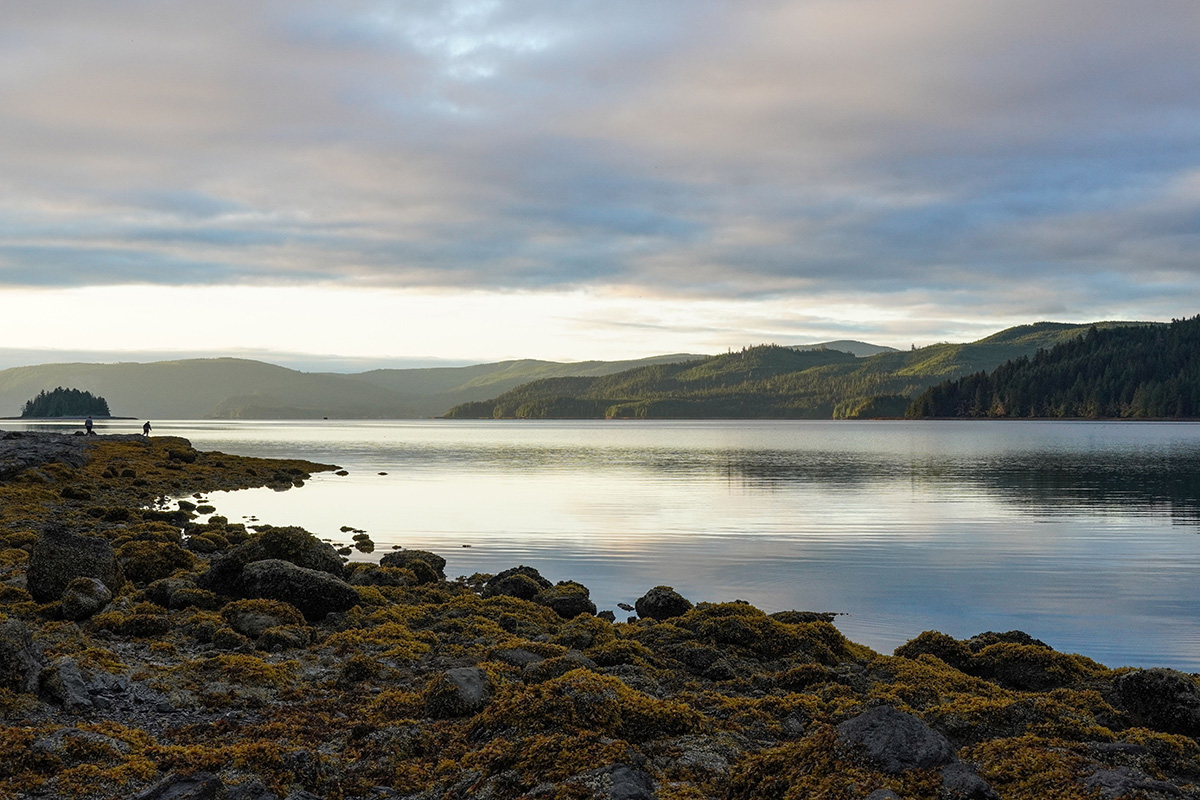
x,y
146,428
87,426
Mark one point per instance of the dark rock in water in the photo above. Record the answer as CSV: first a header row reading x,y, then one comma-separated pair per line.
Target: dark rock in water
x,y
60,557
959,782
895,741
201,786
84,597
523,582
982,640
458,692
1127,782
803,617
568,599
313,592
294,545
1161,699
662,602
21,661
403,558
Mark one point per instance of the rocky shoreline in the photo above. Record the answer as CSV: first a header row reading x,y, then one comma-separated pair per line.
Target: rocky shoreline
x,y
144,654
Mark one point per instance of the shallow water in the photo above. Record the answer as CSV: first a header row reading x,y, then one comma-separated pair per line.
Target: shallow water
x,y
1082,534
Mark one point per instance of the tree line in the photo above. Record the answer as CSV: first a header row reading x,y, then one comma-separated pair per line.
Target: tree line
x,y
66,403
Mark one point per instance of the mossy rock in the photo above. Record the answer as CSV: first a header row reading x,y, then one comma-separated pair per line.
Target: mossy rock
x,y
313,592
252,617
521,581
374,575
283,637
147,561
291,544
60,556
194,597
1032,667
402,559
662,602
568,599
950,650
83,597
143,621
457,692
1162,699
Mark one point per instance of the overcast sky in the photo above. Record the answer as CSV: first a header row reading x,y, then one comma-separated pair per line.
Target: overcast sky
x,y
572,180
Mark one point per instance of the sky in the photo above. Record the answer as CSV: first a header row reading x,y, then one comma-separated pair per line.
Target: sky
x,y
465,181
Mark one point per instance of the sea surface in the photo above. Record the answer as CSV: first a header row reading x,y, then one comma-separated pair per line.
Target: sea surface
x,y
1083,534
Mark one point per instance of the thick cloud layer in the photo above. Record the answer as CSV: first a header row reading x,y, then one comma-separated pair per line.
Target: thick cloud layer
x,y
1014,157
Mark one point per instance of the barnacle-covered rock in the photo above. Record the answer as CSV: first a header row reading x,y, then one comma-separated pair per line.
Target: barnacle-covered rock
x,y
60,556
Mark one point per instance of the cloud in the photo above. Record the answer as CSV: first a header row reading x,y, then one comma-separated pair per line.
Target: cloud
x,y
1007,157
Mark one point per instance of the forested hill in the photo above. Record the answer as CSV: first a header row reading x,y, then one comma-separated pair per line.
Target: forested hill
x,y
769,382
1149,371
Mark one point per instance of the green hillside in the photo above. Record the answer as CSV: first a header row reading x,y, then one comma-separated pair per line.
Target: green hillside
x,y
771,382
1144,371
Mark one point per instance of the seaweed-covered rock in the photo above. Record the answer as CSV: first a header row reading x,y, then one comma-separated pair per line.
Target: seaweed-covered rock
x,y
373,575
60,556
614,782
521,581
199,786
894,741
83,597
252,617
568,599
989,638
313,592
947,648
291,544
1032,667
21,661
1161,699
662,602
403,559
960,782
145,562
1111,784
458,692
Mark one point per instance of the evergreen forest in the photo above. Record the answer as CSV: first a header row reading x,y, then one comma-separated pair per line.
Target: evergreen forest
x,y
66,403
1134,372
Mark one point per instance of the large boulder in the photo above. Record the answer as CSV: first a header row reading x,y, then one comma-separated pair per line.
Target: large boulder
x,y
458,692
60,556
568,599
662,602
294,545
894,741
1161,699
314,593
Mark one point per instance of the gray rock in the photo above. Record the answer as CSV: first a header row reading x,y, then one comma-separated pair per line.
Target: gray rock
x,y
66,744
568,599
895,741
250,790
883,794
1127,782
518,657
84,597
21,450
293,545
60,556
313,592
21,661
402,558
617,782
662,602
1161,699
63,683
201,786
458,692
959,782
252,622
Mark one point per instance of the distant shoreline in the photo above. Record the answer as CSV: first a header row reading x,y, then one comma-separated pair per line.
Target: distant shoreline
x,y
63,419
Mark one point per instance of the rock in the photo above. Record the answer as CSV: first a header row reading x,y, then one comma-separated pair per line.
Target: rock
x,y
895,741
662,602
63,683
616,782
458,692
60,557
69,744
21,661
21,450
201,786
373,575
883,794
1027,667
959,782
1127,782
521,581
312,592
283,637
988,638
160,592
518,657
950,650
293,545
568,599
252,617
402,559
550,668
83,597
1162,699
250,790
146,562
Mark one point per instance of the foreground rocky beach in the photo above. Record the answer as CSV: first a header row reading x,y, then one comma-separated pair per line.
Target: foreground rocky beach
x,y
145,654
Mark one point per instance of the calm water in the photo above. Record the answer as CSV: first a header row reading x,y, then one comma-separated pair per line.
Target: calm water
x,y
1082,534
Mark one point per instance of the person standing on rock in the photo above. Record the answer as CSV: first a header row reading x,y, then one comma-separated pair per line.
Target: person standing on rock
x,y
87,427
146,428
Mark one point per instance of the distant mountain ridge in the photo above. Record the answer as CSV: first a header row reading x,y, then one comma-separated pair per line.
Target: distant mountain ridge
x,y
821,380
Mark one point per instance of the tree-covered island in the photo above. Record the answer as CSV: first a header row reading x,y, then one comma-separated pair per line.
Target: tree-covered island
x,y
65,403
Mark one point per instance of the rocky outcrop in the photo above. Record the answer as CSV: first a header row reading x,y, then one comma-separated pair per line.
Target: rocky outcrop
x,y
314,593
405,559
21,661
894,741
521,581
1162,699
60,556
662,602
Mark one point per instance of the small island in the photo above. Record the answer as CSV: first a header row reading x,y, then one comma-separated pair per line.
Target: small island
x,y
65,403
148,653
